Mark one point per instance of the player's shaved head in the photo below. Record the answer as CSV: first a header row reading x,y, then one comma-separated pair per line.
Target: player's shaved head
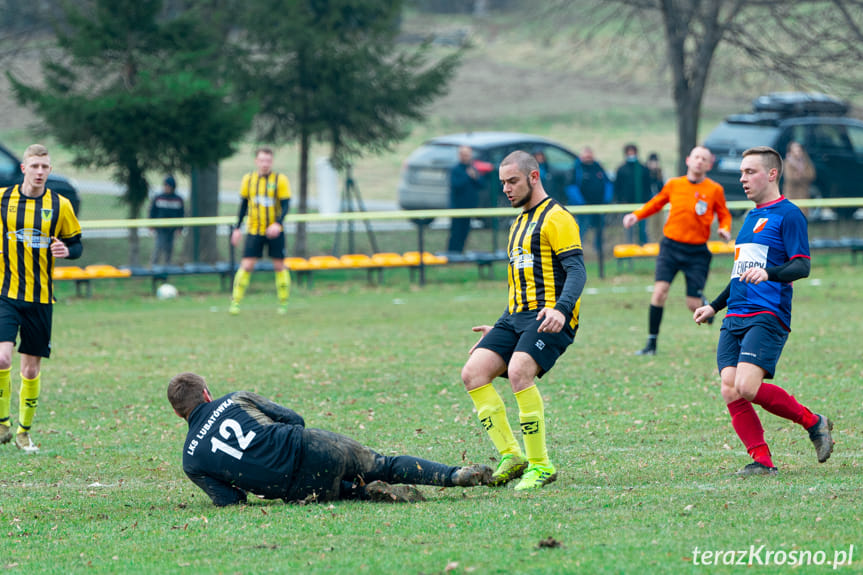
x,y
525,162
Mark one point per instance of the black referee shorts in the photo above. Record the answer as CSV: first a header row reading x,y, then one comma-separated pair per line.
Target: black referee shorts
x,y
34,322
254,246
518,332
691,259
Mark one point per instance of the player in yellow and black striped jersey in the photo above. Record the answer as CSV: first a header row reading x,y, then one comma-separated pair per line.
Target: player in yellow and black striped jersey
x,y
546,277
37,225
266,197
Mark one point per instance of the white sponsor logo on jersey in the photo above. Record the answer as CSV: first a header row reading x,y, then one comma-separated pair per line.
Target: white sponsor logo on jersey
x,y
520,259
748,256
30,237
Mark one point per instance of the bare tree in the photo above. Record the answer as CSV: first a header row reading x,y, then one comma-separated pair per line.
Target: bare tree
x,y
812,45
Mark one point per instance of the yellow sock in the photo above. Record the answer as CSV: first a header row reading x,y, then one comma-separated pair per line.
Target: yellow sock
x,y
492,415
27,402
5,397
532,417
241,282
283,285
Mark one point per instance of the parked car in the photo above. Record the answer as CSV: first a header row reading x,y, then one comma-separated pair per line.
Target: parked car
x,y
10,174
424,182
820,123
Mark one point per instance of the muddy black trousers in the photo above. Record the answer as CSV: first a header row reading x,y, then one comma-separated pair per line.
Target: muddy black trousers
x,y
334,466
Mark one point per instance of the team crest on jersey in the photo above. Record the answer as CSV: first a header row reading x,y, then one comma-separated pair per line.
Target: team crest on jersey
x,y
701,207
47,213
32,238
759,225
530,227
271,186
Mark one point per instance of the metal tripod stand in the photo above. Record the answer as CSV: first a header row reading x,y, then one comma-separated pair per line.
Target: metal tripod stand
x,y
352,201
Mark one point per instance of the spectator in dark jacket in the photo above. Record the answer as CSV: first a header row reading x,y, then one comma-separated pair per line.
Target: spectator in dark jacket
x,y
166,205
464,186
632,186
592,187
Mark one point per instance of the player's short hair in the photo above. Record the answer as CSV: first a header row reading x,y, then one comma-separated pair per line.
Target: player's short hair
x,y
525,162
264,150
37,150
186,392
770,158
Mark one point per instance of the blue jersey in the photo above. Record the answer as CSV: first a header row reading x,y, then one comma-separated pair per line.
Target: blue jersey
x,y
772,235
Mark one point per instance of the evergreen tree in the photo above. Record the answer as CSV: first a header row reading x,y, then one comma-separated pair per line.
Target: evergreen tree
x,y
137,92
331,71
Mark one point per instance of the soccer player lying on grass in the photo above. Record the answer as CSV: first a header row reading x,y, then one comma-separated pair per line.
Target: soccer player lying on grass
x,y
242,442
771,251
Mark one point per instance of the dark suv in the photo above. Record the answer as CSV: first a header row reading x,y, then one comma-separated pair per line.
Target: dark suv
x,y
10,174
818,122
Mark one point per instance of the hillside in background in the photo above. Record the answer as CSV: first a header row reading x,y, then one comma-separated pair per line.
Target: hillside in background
x,y
545,76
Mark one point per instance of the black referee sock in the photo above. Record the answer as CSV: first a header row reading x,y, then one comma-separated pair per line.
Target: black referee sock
x,y
655,320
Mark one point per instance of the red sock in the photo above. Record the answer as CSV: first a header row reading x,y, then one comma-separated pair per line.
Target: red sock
x,y
778,402
748,427
761,454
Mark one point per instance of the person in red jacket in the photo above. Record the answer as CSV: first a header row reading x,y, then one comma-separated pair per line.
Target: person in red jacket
x,y
695,200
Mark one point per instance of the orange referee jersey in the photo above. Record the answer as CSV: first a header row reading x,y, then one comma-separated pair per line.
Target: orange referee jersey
x,y
692,209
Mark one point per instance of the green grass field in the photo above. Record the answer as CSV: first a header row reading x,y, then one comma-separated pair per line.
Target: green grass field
x,y
644,446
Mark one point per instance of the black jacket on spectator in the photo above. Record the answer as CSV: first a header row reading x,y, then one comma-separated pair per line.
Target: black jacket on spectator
x,y
632,185
167,206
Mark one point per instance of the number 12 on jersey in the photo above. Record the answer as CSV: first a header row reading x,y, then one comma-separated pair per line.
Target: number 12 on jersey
x,y
228,426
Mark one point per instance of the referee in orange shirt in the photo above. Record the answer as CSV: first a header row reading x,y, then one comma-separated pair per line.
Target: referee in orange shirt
x,y
694,199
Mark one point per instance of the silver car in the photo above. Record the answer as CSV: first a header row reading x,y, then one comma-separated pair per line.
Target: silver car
x,y
424,182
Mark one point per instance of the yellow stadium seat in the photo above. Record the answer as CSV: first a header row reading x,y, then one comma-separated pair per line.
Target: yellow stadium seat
x,y
388,260
651,249
413,258
297,264
720,247
69,273
106,271
627,251
325,263
357,261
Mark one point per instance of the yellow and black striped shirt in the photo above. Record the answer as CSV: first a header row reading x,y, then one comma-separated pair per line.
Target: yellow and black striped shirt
x,y
537,240
264,194
27,226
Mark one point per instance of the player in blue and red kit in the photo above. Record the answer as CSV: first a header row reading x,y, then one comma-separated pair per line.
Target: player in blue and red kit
x,y
771,251
242,442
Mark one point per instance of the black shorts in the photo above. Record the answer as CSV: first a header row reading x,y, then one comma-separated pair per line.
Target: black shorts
x,y
691,259
518,332
254,246
34,322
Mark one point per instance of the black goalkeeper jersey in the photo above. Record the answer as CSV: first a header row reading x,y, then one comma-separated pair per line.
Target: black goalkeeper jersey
x,y
243,442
